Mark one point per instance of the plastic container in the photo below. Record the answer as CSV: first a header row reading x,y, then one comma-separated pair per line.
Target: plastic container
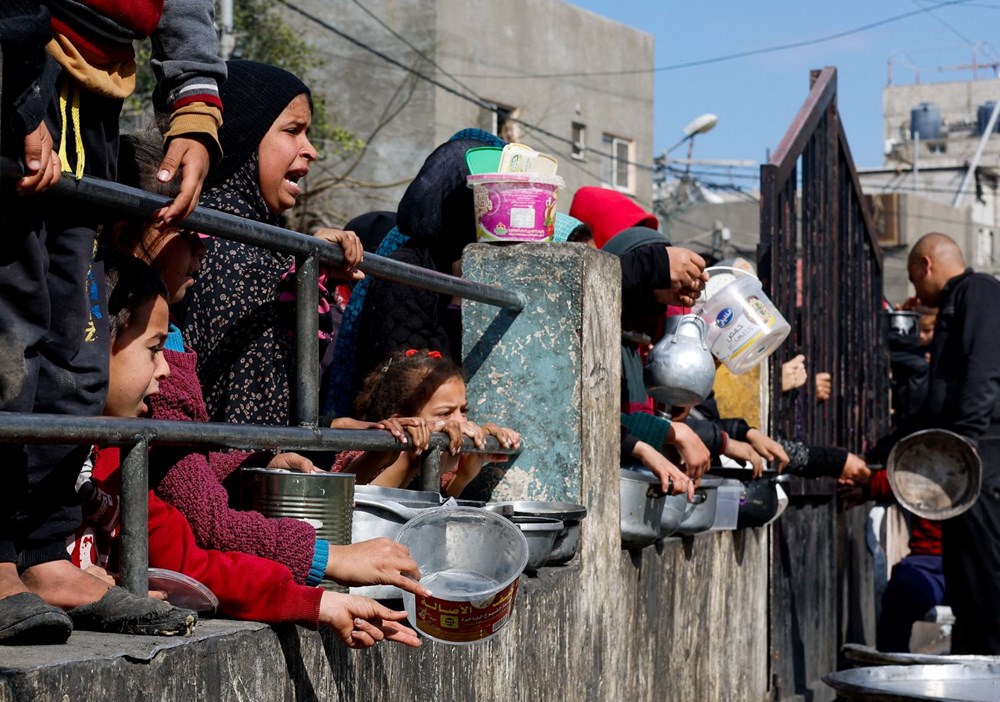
x,y
183,591
470,560
727,506
515,206
744,326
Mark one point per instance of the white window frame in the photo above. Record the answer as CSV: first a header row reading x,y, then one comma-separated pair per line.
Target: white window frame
x,y
613,143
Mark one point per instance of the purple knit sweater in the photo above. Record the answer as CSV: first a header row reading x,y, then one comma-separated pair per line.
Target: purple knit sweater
x,y
193,483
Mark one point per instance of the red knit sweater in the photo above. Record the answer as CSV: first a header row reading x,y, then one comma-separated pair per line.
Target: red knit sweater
x,y
248,587
192,482
925,535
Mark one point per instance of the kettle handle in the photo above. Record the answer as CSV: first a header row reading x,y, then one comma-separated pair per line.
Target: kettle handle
x,y
697,321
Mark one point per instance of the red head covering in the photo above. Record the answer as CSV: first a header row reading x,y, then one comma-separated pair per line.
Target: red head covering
x,y
609,212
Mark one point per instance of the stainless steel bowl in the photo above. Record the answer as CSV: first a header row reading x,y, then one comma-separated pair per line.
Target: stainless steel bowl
x,y
971,682
569,513
541,533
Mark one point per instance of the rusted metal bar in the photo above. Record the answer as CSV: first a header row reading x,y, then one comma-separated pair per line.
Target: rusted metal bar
x,y
135,518
430,470
106,431
305,392
804,124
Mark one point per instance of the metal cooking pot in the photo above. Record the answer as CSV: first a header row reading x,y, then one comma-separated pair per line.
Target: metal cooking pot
x,y
680,370
760,501
674,509
700,514
641,507
935,473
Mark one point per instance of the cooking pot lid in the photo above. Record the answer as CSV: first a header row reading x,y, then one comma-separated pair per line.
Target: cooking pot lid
x,y
936,474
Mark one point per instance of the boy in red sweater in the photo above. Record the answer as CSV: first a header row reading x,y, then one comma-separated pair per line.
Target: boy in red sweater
x,y
248,587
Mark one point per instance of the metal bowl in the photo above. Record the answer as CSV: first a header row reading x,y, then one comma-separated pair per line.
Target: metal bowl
x,y
904,325
936,474
539,508
541,533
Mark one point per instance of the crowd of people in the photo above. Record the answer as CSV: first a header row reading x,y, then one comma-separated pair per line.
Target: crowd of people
x,y
113,315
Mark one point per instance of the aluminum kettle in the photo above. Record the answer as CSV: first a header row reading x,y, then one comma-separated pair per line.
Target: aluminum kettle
x,y
680,369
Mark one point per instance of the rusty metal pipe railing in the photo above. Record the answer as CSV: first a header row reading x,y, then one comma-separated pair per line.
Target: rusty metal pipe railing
x,y
53,428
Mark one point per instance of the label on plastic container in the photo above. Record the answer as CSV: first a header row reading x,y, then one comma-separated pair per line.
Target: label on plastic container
x,y
451,620
748,326
514,211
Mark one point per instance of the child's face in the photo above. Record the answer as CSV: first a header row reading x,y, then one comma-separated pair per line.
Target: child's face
x,y
284,155
927,323
137,363
447,402
176,255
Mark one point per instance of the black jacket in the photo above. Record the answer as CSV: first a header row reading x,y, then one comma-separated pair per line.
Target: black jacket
x,y
964,385
28,72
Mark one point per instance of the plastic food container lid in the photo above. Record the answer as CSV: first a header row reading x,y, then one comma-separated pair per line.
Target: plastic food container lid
x,y
183,590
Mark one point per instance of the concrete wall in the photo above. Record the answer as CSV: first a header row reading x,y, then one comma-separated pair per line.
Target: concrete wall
x,y
402,119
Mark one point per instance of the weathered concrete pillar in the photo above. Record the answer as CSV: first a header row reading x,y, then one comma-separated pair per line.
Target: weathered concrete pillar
x,y
551,371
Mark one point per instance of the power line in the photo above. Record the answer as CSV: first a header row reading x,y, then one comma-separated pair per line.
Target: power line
x,y
482,104
730,57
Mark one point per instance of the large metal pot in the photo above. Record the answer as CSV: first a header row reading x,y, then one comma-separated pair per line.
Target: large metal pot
x,y
680,370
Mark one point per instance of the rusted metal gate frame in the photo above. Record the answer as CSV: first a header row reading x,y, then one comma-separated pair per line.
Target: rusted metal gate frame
x,y
834,311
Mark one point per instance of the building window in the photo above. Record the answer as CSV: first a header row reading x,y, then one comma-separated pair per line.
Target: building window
x,y
502,121
617,163
579,137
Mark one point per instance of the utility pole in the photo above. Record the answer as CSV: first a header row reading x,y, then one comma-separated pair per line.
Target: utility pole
x,y
228,39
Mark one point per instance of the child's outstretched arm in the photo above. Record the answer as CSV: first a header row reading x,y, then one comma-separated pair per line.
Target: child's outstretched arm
x,y
360,622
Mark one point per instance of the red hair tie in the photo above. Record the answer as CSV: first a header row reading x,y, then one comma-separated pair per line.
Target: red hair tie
x,y
410,353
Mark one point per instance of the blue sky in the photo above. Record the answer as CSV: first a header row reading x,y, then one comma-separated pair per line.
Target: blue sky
x,y
757,97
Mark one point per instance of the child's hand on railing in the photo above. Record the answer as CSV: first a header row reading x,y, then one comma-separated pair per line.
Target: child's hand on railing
x,y
353,254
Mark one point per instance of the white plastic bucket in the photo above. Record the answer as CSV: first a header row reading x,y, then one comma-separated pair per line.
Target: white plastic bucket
x,y
744,326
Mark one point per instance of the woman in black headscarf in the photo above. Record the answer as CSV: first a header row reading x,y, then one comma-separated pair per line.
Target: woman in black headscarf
x,y
239,317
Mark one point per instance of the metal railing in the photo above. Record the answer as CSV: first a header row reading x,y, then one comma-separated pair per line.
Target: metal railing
x,y
140,434
821,264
